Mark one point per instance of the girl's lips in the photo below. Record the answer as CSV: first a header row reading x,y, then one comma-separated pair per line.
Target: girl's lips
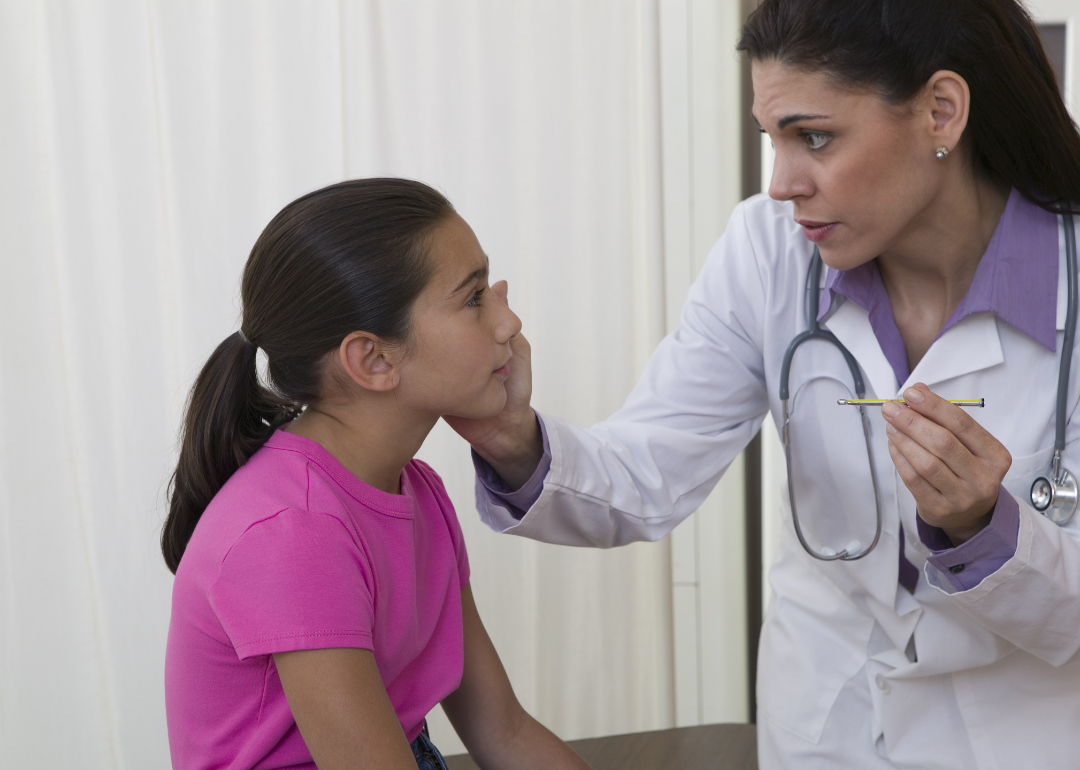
x,y
817,231
502,371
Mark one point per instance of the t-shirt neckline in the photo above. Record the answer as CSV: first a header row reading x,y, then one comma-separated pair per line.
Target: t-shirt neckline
x,y
361,491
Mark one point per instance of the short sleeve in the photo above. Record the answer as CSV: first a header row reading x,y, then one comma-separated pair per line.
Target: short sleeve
x,y
295,581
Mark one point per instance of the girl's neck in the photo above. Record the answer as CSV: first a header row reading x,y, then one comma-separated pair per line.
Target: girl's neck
x,y
373,440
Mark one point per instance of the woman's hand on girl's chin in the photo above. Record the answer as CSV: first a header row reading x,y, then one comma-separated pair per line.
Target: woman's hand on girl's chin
x,y
510,441
952,465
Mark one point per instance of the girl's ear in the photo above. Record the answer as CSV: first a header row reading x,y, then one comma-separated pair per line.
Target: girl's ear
x,y
369,361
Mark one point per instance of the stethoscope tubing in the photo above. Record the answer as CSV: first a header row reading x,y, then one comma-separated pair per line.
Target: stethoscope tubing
x,y
1062,479
1061,413
814,331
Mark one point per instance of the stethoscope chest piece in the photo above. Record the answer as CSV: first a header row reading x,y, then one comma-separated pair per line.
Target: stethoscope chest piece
x,y
1057,500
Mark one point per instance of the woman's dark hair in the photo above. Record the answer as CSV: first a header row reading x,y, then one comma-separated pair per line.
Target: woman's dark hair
x,y
349,257
1018,130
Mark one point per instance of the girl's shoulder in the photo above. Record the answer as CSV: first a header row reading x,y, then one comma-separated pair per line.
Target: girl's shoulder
x,y
429,493
426,485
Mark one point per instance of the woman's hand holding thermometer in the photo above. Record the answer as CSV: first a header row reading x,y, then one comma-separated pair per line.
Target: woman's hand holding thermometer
x,y
951,464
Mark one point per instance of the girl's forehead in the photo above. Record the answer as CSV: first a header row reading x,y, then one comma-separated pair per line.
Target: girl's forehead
x,y
457,256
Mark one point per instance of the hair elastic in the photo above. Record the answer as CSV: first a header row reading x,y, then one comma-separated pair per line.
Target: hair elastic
x,y
245,339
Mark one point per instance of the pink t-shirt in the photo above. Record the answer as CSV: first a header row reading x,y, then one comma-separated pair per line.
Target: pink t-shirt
x,y
296,553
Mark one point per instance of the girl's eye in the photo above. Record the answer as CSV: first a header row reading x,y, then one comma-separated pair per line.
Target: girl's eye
x,y
474,301
815,140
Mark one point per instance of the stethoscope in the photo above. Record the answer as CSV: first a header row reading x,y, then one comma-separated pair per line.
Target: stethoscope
x,y
1055,495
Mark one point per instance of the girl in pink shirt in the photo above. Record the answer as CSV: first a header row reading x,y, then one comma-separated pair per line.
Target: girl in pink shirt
x,y
321,605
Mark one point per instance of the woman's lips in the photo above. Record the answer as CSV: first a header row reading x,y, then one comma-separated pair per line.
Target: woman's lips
x,y
817,231
503,371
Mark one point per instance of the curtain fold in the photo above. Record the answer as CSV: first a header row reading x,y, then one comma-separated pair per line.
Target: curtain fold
x,y
144,145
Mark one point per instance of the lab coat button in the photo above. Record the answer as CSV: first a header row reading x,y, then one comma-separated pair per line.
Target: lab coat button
x,y
882,683
956,569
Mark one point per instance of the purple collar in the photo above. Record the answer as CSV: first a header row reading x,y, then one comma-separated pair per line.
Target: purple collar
x,y
1016,280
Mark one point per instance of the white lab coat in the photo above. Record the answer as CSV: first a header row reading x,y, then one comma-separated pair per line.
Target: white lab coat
x,y
988,677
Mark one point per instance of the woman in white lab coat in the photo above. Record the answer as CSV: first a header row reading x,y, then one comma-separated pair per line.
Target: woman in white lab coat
x,y
922,146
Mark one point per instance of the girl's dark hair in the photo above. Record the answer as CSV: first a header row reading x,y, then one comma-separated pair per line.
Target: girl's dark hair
x,y
1018,130
349,257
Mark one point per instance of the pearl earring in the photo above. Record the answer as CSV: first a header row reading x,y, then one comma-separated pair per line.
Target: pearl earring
x,y
941,153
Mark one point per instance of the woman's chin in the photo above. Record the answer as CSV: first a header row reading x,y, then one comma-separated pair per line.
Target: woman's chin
x,y
843,258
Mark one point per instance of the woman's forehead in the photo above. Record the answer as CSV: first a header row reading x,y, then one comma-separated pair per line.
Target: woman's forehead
x,y
784,93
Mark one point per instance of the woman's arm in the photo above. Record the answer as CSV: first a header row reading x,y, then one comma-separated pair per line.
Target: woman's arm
x,y
340,705
486,713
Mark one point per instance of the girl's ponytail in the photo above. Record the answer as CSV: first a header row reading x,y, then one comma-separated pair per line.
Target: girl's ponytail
x,y
349,257
229,416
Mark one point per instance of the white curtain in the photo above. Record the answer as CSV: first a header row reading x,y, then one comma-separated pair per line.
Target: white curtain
x,y
143,146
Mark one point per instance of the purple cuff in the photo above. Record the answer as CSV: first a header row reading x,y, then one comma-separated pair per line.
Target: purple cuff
x,y
967,564
520,500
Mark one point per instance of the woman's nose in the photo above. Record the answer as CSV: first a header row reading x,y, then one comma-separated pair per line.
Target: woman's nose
x,y
788,180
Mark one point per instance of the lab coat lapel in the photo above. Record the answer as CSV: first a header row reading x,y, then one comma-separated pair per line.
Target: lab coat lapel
x,y
851,325
969,346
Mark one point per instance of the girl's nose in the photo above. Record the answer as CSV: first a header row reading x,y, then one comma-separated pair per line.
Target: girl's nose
x,y
508,326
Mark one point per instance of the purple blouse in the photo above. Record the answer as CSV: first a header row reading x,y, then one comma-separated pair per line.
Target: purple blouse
x,y
1016,280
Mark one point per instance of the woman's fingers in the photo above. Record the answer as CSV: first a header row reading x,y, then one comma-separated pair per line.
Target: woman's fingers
x,y
978,441
951,464
934,438
936,470
920,488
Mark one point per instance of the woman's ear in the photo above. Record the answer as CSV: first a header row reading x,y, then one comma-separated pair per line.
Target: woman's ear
x,y
369,361
948,107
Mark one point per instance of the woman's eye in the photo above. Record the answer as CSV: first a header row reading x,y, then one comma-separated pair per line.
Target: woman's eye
x,y
815,140
474,301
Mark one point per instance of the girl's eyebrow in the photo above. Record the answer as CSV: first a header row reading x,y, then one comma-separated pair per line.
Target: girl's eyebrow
x,y
477,274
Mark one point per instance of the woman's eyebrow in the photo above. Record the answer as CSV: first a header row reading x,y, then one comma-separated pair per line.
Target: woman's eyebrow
x,y
475,275
787,121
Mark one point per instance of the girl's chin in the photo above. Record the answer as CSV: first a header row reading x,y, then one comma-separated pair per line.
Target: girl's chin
x,y
483,408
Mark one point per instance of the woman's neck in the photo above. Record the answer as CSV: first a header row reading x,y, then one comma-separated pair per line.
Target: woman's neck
x,y
374,439
930,269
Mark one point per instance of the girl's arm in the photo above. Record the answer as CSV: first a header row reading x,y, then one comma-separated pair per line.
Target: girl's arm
x,y
486,713
341,707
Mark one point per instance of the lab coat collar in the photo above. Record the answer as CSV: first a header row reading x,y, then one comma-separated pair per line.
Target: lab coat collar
x,y
851,325
969,346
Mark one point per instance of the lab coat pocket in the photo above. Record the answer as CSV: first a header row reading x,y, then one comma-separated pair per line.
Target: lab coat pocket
x,y
813,641
1023,472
